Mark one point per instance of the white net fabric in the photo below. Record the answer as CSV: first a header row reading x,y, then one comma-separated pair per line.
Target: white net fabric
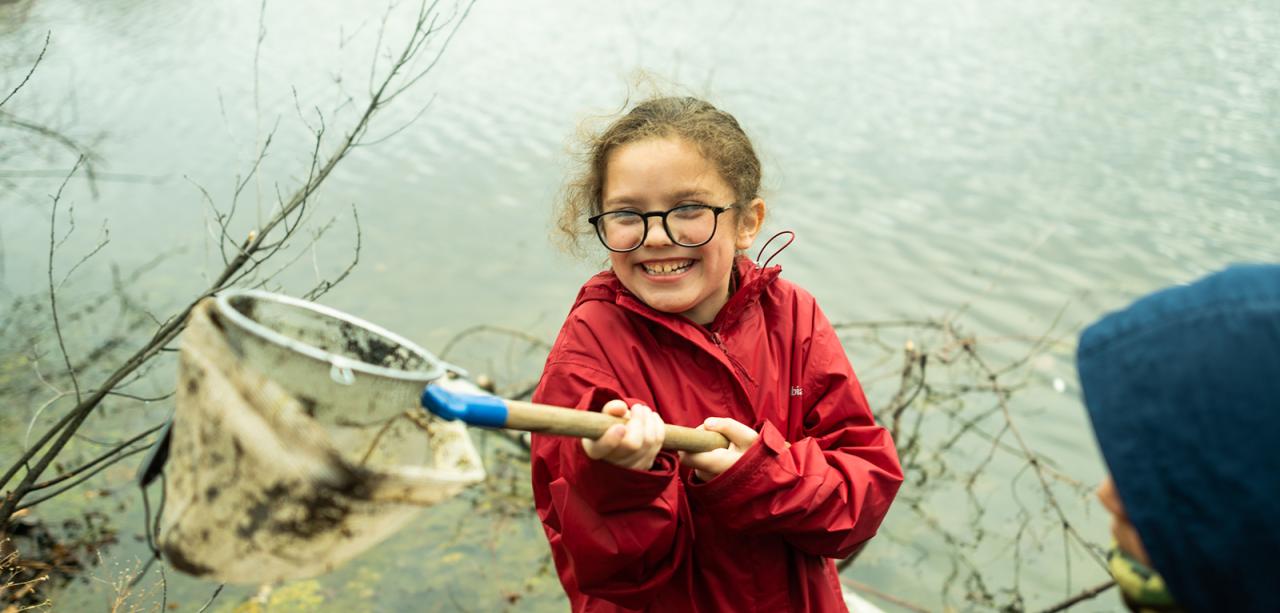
x,y
263,487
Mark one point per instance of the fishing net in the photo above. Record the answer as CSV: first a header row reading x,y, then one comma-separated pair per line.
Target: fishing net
x,y
263,485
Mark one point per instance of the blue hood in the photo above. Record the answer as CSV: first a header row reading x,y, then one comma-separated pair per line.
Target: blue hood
x,y
1183,388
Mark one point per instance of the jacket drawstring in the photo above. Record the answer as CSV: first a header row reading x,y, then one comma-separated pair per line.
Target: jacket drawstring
x,y
791,238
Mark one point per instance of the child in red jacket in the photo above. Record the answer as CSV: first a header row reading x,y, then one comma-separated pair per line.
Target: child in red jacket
x,y
684,330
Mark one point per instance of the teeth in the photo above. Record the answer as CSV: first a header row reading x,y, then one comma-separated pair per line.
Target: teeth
x,y
667,268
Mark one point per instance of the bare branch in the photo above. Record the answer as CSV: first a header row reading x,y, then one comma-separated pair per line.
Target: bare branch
x,y
106,238
119,284
71,221
525,336
31,503
377,48
53,293
94,462
325,286
213,597
86,155
1034,461
35,417
439,53
142,398
253,170
315,237
402,128
297,106
1088,594
248,259
218,217
257,108
32,71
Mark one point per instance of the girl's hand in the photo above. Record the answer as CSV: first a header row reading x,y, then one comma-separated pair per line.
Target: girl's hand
x,y
632,445
709,464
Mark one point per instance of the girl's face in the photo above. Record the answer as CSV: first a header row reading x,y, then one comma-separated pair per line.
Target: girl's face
x,y
658,174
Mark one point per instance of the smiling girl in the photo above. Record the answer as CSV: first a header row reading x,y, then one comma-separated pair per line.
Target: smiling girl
x,y
683,329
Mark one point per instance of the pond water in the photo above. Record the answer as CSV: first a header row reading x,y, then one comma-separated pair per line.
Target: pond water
x,y
1024,166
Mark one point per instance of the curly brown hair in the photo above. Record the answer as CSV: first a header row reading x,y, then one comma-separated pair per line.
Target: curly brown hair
x,y
714,132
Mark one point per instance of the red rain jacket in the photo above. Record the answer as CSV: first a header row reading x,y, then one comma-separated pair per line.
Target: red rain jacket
x,y
758,537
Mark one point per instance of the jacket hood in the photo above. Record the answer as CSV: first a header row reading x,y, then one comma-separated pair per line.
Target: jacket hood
x,y
1183,389
752,281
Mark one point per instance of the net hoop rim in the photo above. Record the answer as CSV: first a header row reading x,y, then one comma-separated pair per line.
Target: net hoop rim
x,y
436,367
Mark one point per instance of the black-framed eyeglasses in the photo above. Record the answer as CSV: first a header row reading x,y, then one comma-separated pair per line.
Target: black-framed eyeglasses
x,y
688,225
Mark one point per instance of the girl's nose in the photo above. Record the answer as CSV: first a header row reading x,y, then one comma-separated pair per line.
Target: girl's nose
x,y
657,233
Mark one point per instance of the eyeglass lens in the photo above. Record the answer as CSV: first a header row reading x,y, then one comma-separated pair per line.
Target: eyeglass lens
x,y
687,226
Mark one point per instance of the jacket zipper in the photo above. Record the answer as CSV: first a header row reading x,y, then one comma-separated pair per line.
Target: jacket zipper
x,y
742,371
729,310
639,308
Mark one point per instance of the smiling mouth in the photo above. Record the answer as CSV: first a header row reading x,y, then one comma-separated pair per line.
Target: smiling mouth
x,y
667,268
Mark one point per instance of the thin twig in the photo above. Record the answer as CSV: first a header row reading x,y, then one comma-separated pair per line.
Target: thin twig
x,y
212,598
35,417
405,126
142,398
90,170
164,590
257,105
1088,594
53,292
315,237
1034,461
324,286
31,503
32,71
91,463
106,238
525,336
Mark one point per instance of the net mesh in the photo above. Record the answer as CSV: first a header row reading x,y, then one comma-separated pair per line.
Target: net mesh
x,y
261,486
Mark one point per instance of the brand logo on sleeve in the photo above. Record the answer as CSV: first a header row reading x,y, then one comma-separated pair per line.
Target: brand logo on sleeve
x,y
796,390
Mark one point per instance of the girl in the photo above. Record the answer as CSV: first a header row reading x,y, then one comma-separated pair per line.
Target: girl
x,y
683,329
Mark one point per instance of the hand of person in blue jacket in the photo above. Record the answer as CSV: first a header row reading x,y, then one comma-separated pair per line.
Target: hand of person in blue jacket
x,y
632,445
709,464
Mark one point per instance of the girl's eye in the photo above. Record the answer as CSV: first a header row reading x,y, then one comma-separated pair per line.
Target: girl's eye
x,y
689,211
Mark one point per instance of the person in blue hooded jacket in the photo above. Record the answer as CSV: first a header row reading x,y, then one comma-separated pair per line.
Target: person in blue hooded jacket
x,y
1183,389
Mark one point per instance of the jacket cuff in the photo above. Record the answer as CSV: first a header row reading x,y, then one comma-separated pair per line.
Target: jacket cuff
x,y
609,487
733,485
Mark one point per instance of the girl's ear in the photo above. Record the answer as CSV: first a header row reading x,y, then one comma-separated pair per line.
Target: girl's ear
x,y
749,224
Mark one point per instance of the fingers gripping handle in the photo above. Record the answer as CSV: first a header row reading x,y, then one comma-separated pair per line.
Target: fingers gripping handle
x,y
589,424
494,412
